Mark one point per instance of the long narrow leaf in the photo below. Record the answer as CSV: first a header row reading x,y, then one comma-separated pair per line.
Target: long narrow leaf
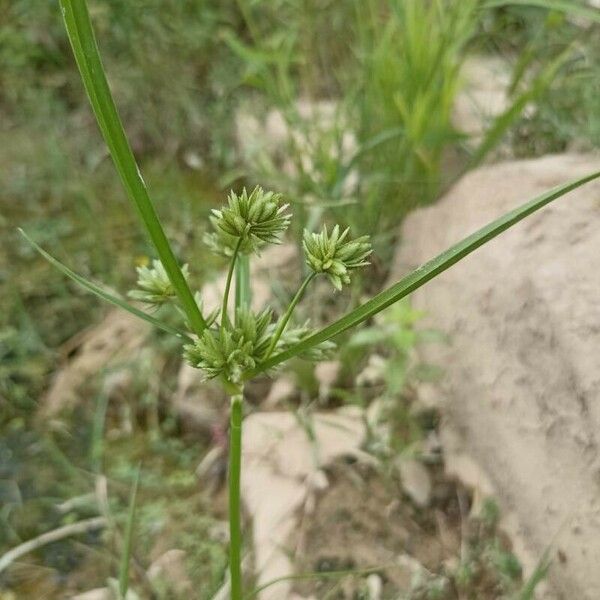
x,y
423,274
103,294
85,49
538,575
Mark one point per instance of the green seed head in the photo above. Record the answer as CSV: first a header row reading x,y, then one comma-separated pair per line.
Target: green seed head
x,y
154,286
256,219
228,352
291,337
334,255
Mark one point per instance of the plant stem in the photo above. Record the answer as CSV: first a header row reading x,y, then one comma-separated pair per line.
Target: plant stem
x,y
49,538
243,290
228,283
235,464
288,313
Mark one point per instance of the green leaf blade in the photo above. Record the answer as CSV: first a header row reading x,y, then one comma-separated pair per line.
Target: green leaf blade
x,y
423,274
103,294
85,49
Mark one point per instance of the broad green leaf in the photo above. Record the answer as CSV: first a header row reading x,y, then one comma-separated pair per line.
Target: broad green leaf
x,y
85,49
423,274
103,294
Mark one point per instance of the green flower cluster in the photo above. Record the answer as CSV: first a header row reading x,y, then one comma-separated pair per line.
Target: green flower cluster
x,y
251,221
230,348
334,255
154,286
229,352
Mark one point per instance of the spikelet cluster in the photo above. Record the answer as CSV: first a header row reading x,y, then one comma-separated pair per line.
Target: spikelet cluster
x,y
153,285
247,223
228,352
252,220
335,255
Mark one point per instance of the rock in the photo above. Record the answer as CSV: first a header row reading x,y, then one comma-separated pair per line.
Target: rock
x,y
212,469
483,95
415,480
374,371
520,393
169,571
374,586
282,390
96,594
200,404
326,374
282,470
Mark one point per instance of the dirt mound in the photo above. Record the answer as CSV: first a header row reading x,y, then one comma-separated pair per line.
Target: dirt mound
x,y
521,393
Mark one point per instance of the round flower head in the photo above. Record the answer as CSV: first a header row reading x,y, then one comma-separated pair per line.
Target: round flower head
x,y
250,221
229,352
334,255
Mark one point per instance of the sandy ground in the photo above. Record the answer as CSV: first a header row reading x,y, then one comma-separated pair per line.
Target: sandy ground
x,y
521,390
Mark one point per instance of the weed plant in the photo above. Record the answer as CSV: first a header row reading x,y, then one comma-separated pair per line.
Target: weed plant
x,y
235,344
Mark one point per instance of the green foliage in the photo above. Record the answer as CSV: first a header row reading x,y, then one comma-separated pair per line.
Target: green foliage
x,y
556,51
85,50
387,75
142,294
377,152
411,55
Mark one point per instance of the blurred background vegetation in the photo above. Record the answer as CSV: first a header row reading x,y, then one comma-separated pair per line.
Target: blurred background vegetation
x,y
344,106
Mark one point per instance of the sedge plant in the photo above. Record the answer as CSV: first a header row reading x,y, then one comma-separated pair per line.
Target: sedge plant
x,y
235,344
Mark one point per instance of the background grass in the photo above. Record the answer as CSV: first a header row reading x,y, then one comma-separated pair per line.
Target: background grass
x,y
386,74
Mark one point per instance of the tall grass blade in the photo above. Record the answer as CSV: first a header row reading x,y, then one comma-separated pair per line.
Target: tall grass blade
x,y
85,49
539,574
423,274
128,538
505,120
103,294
